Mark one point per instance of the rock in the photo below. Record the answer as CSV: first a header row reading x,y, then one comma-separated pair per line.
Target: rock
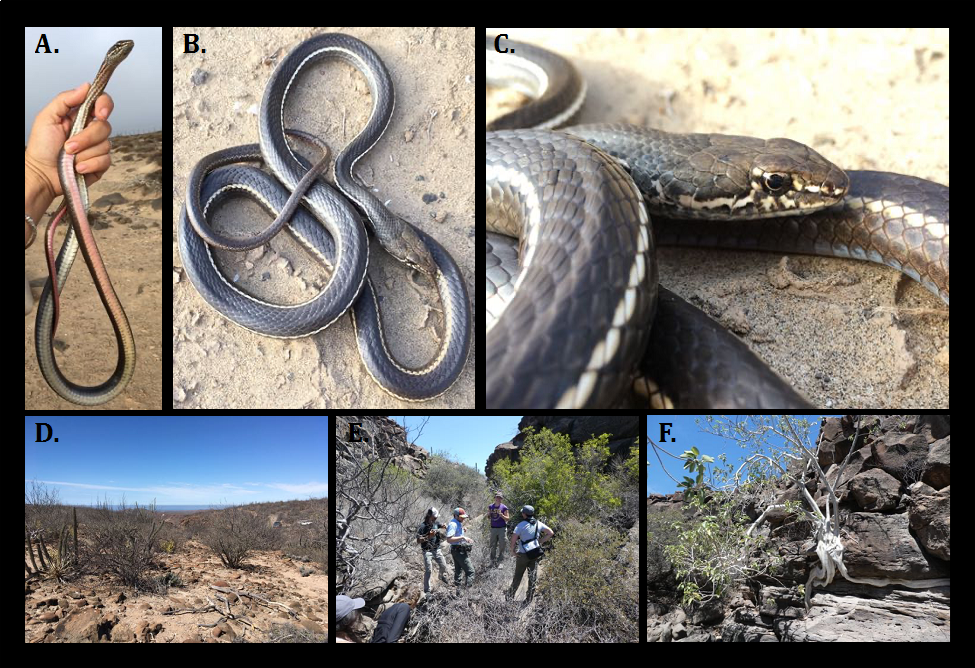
x,y
875,490
937,469
860,613
384,437
930,517
86,626
895,518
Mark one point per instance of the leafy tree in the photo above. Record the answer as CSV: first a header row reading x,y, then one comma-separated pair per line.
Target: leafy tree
x,y
558,482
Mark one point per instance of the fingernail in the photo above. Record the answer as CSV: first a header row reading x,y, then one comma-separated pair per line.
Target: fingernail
x,y
81,169
71,147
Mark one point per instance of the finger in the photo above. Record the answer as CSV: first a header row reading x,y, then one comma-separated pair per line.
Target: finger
x,y
104,106
94,135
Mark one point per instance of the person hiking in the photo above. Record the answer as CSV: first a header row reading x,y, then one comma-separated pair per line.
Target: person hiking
x,y
460,547
526,542
428,536
498,512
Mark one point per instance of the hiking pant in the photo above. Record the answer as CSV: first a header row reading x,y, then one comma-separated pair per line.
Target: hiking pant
x,y
521,563
429,556
462,564
390,625
498,540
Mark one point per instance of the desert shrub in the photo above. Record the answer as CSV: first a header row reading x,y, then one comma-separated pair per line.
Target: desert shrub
x,y
713,552
122,541
660,533
235,532
581,578
165,581
452,483
172,539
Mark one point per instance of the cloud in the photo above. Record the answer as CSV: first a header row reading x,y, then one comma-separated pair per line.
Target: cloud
x,y
307,489
189,493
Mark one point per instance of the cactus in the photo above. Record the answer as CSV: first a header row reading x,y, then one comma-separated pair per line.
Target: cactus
x,y
58,567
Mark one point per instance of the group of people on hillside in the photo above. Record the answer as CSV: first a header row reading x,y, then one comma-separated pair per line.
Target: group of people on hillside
x,y
524,544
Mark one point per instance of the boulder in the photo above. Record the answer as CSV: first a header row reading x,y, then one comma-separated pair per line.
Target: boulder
x,y
894,505
381,438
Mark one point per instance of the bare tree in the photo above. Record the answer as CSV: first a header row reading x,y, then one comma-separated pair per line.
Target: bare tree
x,y
826,525
122,540
374,514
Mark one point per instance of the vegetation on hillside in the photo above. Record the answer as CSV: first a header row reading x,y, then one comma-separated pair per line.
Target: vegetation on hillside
x,y
588,582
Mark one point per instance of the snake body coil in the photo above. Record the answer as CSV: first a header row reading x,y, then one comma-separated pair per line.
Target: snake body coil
x,y
568,320
329,227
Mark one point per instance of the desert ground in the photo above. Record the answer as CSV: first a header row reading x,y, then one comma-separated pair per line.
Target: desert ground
x,y
187,595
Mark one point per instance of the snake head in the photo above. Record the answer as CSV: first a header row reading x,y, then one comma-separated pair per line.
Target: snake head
x,y
408,247
120,49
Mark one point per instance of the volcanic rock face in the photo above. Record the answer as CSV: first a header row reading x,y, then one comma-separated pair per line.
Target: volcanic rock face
x,y
385,437
623,430
895,511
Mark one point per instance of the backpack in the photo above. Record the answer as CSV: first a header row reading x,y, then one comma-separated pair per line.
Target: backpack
x,y
535,553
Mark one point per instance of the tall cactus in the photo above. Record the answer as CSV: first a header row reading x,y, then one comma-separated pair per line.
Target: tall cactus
x,y
62,564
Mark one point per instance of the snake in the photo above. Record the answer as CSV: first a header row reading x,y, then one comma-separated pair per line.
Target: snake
x,y
575,315
329,228
75,205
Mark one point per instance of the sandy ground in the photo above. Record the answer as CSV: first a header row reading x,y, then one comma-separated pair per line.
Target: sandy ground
x,y
845,333
271,575
126,215
428,149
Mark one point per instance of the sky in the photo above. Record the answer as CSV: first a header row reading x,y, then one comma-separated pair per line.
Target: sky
x,y
685,434
136,86
471,440
200,461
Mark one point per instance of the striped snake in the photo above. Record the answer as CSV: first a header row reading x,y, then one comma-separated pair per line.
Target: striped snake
x,y
570,310
80,234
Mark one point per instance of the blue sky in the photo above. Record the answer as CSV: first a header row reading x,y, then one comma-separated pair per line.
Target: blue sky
x,y
470,439
179,460
685,434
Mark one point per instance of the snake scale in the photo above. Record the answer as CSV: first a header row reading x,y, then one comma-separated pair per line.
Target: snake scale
x,y
328,225
575,321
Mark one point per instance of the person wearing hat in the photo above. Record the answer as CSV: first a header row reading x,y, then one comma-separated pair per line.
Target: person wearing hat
x,y
527,537
428,536
498,512
389,626
347,617
460,547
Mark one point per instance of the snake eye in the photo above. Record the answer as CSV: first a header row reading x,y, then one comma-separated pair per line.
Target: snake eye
x,y
775,182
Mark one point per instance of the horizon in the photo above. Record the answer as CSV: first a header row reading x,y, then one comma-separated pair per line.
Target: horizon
x,y
178,460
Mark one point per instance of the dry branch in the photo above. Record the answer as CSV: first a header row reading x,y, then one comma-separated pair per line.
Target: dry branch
x,y
228,615
228,590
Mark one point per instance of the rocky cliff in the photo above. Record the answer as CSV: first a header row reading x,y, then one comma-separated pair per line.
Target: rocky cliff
x,y
624,431
384,437
895,510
